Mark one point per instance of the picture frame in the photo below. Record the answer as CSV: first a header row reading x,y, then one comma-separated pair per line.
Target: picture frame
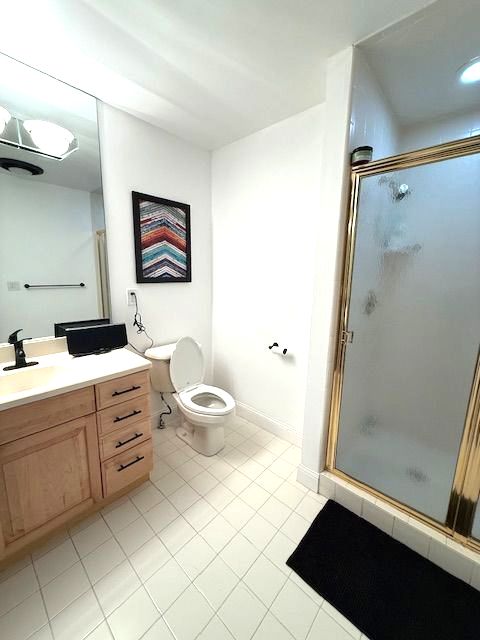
x,y
161,230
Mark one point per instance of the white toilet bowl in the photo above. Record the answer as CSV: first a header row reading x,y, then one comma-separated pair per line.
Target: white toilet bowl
x,y
204,408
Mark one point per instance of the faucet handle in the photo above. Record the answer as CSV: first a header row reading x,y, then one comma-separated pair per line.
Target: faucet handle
x,y
13,337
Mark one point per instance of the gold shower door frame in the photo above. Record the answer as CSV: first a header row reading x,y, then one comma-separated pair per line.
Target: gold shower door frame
x,y
466,484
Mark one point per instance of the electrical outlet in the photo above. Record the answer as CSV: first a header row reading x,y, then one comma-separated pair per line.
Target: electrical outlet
x,y
131,293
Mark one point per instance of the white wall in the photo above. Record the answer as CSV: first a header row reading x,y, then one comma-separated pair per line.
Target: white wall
x,y
266,218
427,134
372,120
46,237
140,157
327,268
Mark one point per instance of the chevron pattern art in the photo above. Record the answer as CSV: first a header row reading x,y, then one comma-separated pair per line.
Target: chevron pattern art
x,y
164,242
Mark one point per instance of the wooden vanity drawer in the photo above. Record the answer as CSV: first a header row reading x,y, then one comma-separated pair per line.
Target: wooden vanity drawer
x,y
126,468
121,389
124,439
27,419
123,415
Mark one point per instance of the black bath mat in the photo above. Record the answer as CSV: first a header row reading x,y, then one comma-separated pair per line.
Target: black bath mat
x,y
386,590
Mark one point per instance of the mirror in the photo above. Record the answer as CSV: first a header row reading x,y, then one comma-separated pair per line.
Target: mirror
x,y
53,265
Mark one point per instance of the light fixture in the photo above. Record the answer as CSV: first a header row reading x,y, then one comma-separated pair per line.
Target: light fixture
x,y
50,138
470,71
4,118
20,167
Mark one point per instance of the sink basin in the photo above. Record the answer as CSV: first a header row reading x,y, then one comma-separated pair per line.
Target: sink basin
x,y
25,379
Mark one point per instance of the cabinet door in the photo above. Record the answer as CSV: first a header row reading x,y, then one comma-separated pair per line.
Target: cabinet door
x,y
46,476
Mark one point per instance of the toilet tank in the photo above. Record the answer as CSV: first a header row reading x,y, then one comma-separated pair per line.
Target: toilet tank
x,y
160,371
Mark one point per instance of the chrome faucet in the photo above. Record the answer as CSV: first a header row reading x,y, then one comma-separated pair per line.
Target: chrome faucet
x,y
20,359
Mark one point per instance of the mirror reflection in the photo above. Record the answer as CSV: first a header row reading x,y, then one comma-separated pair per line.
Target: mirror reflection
x,y
52,224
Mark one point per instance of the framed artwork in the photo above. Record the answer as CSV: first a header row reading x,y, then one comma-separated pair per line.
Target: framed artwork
x,y
162,239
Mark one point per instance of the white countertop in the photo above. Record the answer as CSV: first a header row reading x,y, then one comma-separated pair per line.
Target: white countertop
x,y
63,372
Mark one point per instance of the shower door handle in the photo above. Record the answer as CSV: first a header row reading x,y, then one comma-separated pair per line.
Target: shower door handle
x,y
347,337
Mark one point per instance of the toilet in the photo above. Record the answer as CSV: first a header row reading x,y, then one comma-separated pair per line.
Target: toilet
x,y
179,367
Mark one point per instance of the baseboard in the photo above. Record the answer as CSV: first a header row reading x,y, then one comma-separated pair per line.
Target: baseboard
x,y
274,426
308,478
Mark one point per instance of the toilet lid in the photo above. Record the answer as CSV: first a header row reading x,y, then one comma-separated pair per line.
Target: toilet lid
x,y
187,367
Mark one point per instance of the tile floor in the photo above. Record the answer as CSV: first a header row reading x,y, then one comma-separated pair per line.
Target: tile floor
x,y
198,552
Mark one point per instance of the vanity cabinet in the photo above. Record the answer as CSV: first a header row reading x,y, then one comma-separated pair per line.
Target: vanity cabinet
x,y
56,465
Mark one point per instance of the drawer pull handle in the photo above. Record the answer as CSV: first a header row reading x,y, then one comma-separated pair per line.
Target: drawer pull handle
x,y
120,443
125,466
134,387
135,412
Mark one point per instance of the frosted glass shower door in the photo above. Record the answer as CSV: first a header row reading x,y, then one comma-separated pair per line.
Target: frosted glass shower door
x,y
415,316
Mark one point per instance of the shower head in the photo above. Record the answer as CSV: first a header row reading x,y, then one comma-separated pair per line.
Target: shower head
x,y
402,191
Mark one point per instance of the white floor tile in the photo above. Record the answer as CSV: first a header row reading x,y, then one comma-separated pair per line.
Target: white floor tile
x,y
293,455
205,461
167,584
149,558
101,561
216,582
194,556
88,539
289,494
56,562
52,543
255,496
102,632
249,448
200,514
259,531
13,568
342,621
218,533
261,437
242,612
316,597
134,617
264,457
45,634
118,585
184,497
220,469
135,535
203,482
161,515
295,610
271,629
279,549
177,534
147,498
238,513
189,469
265,580
269,481
77,620
169,483
235,457
219,497
251,469
282,468
239,554
237,482
22,621
295,527
122,516
326,627
65,588
310,507
176,458
17,588
189,614
159,631
275,511
215,630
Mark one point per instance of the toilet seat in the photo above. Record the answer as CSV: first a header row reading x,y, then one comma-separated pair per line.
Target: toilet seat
x,y
202,399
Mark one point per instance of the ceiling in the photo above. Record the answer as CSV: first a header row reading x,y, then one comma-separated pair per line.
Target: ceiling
x,y
28,94
416,61
209,71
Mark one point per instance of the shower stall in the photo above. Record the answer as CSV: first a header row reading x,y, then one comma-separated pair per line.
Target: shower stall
x,y
405,410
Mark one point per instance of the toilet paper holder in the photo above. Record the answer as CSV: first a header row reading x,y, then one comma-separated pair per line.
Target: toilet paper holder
x,y
276,349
